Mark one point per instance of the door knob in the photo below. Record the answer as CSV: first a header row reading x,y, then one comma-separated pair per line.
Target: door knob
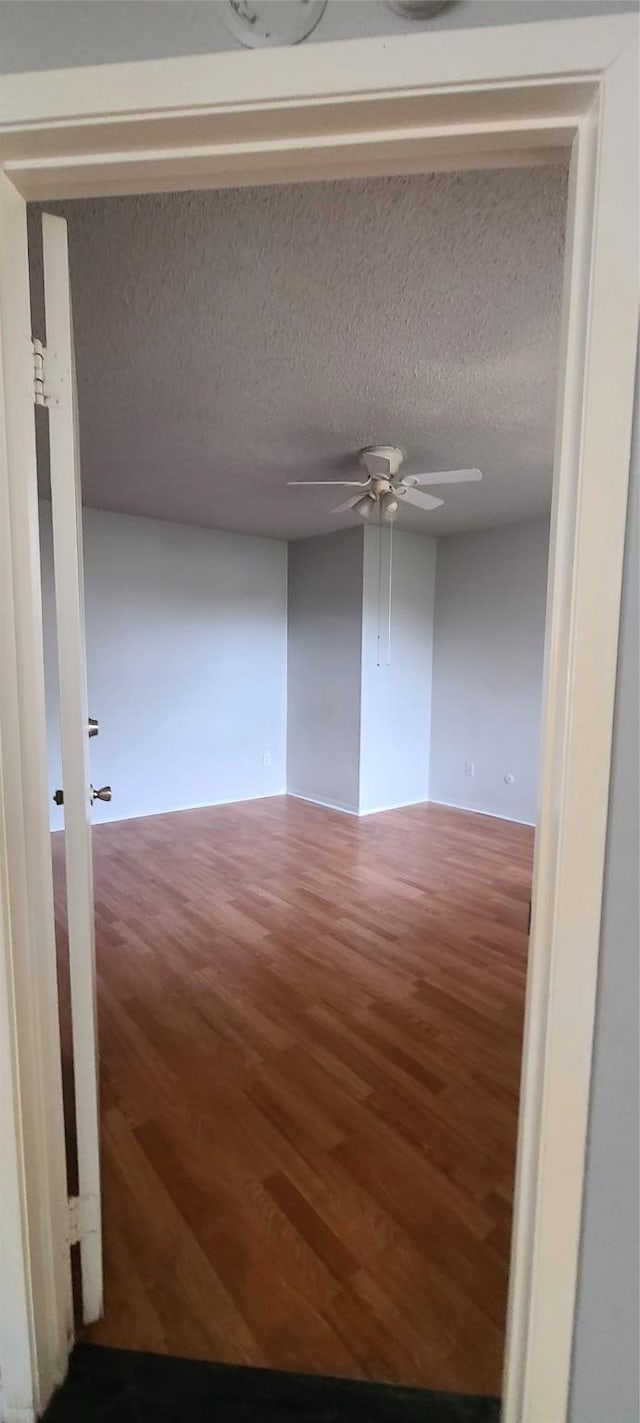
x,y
104,793
58,797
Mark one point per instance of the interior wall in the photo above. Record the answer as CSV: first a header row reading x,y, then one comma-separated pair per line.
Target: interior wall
x,y
323,677
396,695
39,35
186,662
487,669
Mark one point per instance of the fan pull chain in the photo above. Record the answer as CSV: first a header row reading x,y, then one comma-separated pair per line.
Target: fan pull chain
x,y
389,596
379,581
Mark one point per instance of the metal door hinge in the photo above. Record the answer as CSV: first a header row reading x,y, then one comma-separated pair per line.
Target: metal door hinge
x,y
38,373
84,1218
50,387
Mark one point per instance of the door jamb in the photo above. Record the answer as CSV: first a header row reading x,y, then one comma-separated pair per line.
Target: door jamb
x,y
34,1220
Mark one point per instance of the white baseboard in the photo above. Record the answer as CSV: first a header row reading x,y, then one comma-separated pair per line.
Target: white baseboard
x,y
196,805
343,808
328,804
490,814
394,805
351,809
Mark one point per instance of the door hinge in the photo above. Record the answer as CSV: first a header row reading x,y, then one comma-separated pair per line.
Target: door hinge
x,y
38,373
84,1218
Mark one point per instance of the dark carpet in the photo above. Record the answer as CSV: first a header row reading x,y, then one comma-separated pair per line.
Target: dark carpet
x,y
119,1386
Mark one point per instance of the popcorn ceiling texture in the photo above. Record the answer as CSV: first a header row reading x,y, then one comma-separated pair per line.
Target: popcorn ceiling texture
x,y
229,341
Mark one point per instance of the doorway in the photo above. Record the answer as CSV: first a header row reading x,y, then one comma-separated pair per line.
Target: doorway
x,y
531,1329
310,1071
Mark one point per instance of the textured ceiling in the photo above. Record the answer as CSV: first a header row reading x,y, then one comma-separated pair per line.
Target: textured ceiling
x,y
229,341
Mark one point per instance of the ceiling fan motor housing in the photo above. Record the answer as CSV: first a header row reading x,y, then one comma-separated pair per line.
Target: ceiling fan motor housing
x,y
382,461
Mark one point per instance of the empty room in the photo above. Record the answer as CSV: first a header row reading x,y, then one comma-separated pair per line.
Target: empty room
x,y
316,429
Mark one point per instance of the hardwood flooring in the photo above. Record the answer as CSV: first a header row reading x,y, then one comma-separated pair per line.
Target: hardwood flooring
x,y
310,1036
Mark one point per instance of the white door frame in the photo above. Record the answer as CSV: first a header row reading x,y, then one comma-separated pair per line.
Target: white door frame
x,y
36,1322
518,94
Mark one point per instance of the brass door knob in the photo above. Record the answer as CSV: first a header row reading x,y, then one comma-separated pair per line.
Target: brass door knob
x,y
104,793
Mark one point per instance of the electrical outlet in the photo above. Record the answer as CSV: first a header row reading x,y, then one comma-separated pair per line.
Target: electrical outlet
x,y
469,768
266,759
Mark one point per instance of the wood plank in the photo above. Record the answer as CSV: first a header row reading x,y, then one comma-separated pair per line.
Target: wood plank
x,y
310,1085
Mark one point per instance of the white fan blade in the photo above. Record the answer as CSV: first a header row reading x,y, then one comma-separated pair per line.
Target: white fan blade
x,y
443,476
415,496
348,504
330,483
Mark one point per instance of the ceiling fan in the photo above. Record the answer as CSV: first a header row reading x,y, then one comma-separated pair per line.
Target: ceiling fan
x,y
384,489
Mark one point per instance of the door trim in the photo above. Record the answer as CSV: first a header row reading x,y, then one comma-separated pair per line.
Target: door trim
x,y
517,94
33,1220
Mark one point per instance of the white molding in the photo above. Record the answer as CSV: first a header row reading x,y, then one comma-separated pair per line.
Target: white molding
x,y
353,809
598,357
344,809
393,805
433,100
348,109
179,809
38,1216
313,800
377,68
16,1326
488,814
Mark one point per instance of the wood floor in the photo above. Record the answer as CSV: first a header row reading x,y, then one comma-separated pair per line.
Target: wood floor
x,y
310,1035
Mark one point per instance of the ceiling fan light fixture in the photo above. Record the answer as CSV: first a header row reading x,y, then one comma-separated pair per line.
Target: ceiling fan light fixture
x,y
364,506
389,505
417,9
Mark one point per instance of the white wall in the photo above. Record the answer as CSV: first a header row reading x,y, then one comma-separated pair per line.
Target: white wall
x,y
341,704
42,35
187,664
396,696
325,635
487,668
186,653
